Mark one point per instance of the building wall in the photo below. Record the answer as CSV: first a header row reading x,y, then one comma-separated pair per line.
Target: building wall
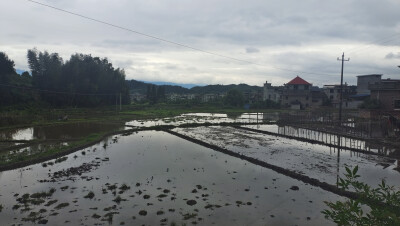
x,y
271,93
363,82
296,93
387,98
302,96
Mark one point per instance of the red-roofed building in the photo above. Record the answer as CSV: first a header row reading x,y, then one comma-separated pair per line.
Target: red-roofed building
x,y
297,94
298,81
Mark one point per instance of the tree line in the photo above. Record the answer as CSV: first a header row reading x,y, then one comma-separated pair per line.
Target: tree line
x,y
82,81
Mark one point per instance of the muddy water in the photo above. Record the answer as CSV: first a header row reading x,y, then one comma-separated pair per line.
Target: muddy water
x,y
316,161
328,138
62,131
171,179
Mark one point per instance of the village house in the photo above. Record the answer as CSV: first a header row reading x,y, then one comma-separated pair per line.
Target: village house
x,y
296,94
363,82
333,94
180,97
318,97
272,93
387,92
137,97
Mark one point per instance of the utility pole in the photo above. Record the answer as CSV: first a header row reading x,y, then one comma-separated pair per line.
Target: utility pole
x,y
341,90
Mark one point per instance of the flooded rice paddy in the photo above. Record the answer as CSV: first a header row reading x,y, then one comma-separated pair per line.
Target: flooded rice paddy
x,y
58,131
199,118
316,161
327,138
35,140
156,178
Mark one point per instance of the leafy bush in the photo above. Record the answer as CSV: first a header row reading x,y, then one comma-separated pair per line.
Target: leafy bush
x,y
383,203
371,104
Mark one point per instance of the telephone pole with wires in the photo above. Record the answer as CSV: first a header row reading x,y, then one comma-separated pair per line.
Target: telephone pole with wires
x,y
341,89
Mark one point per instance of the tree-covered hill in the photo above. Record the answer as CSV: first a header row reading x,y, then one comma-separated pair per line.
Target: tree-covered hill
x,y
141,87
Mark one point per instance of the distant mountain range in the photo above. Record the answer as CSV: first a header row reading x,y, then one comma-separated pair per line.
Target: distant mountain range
x,y
184,85
141,87
170,87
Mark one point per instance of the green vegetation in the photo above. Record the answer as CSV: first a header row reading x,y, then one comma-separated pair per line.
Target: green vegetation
x,y
9,80
24,156
155,93
82,81
383,203
267,104
234,98
142,87
34,115
371,104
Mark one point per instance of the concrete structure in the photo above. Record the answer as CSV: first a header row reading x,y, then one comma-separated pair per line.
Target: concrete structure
x,y
317,96
272,93
387,92
333,93
180,97
296,94
252,96
137,97
209,97
363,82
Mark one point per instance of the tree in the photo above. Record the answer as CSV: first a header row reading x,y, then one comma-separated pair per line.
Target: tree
x,y
160,93
83,80
383,203
234,98
6,65
9,82
371,104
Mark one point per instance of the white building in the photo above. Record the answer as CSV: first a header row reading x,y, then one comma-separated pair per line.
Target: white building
x,y
271,92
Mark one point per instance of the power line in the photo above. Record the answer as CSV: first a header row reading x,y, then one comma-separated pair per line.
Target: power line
x,y
379,41
168,41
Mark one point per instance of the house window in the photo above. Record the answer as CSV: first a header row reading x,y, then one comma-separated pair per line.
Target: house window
x,y
305,87
306,97
295,87
331,91
397,104
287,97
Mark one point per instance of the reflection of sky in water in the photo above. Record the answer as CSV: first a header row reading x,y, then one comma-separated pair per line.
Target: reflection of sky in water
x,y
316,161
160,160
62,131
199,118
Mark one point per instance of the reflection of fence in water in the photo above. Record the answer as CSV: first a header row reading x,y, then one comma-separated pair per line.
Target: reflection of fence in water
x,y
334,139
351,124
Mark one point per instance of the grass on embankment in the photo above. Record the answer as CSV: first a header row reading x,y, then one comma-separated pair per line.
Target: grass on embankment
x,y
34,115
20,159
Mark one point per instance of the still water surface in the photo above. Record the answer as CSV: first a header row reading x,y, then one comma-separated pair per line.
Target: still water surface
x,y
226,190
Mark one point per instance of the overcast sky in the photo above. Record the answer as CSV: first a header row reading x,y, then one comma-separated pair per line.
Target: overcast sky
x,y
305,36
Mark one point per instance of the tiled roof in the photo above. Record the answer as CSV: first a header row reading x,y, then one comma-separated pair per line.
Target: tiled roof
x,y
298,81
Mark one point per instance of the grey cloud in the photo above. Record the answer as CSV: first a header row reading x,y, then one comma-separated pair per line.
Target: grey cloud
x,y
393,55
252,50
289,33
